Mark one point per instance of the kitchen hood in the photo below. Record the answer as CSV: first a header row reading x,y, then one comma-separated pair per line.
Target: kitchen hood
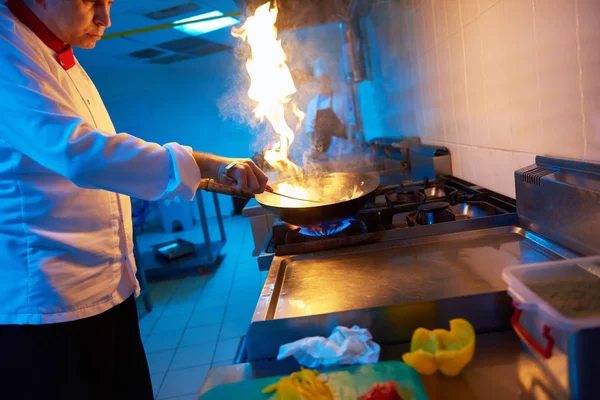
x,y
294,14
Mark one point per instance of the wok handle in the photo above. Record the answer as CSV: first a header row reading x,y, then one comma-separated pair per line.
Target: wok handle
x,y
209,185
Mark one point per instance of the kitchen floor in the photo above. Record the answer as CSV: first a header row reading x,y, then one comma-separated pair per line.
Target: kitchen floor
x,y
198,321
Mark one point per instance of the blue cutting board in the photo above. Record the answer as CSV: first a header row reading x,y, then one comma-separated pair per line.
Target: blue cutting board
x,y
349,383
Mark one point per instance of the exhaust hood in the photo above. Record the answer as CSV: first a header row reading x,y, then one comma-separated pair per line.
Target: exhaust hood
x,y
295,14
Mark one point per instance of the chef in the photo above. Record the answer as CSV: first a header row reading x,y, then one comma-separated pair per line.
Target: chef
x,y
329,114
68,321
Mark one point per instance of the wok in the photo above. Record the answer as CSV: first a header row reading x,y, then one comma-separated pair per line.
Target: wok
x,y
335,187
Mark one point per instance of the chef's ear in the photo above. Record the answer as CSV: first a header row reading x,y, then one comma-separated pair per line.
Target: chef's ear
x,y
41,3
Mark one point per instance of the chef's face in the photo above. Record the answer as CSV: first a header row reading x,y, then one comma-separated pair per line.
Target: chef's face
x,y
324,85
80,23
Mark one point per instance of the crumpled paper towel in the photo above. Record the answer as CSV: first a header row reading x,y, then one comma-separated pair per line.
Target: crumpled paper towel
x,y
344,346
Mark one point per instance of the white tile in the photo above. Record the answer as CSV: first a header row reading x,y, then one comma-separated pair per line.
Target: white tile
x,y
429,25
169,323
207,316
455,158
447,104
484,5
242,311
201,334
179,307
589,37
159,361
522,75
467,163
234,328
226,350
436,115
453,16
497,95
469,10
193,356
459,89
247,296
562,125
247,266
479,135
504,173
439,12
218,286
147,322
482,166
165,340
182,382
209,301
157,380
522,160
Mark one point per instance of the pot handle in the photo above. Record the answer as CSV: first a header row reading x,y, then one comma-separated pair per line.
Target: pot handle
x,y
210,185
544,351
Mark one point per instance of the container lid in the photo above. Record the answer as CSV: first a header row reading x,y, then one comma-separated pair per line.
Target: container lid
x,y
567,292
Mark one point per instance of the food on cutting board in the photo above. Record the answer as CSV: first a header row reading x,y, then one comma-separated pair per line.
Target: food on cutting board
x,y
443,350
384,391
574,297
310,385
304,385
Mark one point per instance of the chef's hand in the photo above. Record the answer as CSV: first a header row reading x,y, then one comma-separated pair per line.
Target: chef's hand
x,y
244,174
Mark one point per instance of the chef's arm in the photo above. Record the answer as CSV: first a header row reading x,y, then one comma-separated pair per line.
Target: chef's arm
x,y
39,122
244,174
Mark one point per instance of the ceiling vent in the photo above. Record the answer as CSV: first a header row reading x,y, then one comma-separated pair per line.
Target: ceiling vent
x,y
192,45
170,59
146,53
172,12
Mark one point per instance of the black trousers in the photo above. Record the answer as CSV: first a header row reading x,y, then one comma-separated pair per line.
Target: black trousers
x,y
100,357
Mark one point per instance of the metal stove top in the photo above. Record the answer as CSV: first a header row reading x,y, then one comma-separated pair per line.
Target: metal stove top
x,y
396,206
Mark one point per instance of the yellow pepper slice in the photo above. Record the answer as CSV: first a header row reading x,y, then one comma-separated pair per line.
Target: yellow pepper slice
x,y
304,385
449,351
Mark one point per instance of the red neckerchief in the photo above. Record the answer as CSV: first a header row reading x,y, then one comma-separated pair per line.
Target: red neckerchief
x,y
64,52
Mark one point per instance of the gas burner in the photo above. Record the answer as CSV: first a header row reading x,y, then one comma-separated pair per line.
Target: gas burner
x,y
401,196
431,213
434,192
333,229
325,229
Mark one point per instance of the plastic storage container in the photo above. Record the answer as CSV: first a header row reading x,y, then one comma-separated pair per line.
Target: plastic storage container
x,y
558,317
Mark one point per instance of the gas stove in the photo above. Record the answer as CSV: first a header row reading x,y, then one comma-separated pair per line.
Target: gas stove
x,y
416,257
405,205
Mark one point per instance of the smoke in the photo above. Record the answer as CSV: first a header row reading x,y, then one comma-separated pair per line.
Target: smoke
x,y
302,47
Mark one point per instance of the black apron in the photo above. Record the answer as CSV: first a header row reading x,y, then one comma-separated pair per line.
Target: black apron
x,y
327,125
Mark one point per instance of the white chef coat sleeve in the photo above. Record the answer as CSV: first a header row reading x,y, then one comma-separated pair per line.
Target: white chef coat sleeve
x,y
40,122
311,116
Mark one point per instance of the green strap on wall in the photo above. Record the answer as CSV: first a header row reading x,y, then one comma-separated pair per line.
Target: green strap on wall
x,y
167,26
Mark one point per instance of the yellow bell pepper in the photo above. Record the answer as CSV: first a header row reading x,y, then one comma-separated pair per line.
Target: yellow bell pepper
x,y
449,351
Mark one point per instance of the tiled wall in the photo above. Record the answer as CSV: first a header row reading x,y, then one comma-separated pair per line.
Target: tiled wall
x,y
496,81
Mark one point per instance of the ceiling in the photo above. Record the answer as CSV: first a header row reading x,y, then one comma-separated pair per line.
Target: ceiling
x,y
160,47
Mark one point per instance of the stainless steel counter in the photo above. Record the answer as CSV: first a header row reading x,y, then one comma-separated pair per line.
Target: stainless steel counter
x,y
501,370
442,276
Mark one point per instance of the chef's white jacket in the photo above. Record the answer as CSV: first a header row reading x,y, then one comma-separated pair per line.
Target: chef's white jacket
x,y
66,248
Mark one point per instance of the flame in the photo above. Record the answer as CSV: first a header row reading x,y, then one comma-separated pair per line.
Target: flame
x,y
271,84
272,87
